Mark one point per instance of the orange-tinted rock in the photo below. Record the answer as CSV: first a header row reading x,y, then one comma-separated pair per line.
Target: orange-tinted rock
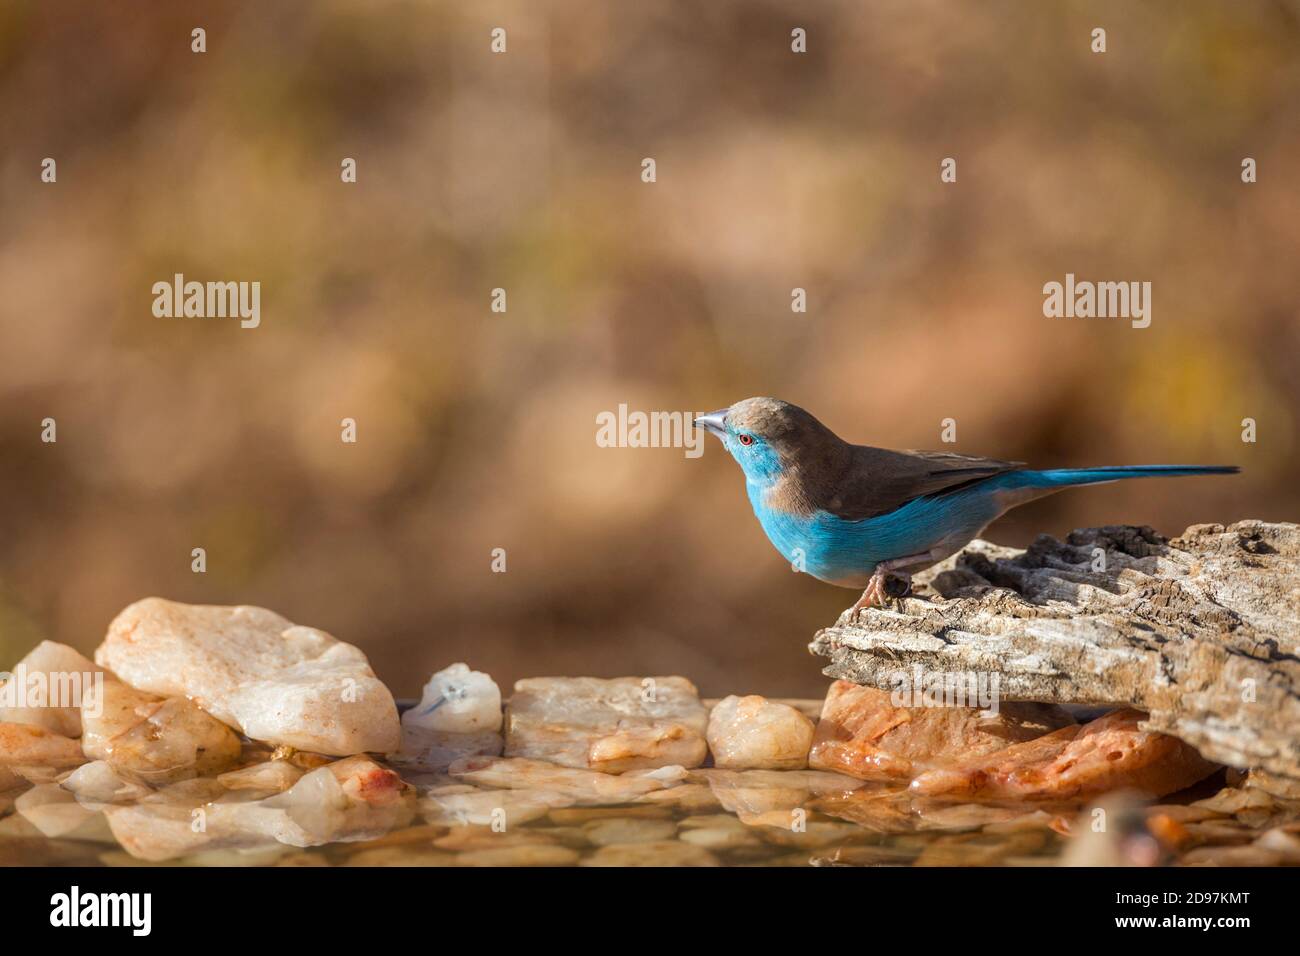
x,y
29,745
364,781
863,734
1109,753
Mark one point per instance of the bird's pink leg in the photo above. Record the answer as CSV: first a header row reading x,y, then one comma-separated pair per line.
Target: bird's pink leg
x,y
871,597
874,595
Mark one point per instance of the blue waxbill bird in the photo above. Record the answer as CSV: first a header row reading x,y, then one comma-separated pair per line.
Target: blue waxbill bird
x,y
853,515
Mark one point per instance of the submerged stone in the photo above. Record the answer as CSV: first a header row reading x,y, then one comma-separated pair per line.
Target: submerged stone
x,y
651,854
274,776
533,854
57,813
469,806
349,800
628,830
1110,753
581,786
98,782
160,739
614,725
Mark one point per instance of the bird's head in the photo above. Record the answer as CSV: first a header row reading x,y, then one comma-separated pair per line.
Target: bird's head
x,y
767,435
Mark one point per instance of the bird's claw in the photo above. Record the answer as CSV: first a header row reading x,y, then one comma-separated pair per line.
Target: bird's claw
x,y
882,590
872,596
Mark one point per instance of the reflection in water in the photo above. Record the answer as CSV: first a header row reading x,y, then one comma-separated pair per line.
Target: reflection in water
x,y
284,809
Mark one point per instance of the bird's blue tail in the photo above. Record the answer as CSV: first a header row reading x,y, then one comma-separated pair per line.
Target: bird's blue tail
x,y
1064,477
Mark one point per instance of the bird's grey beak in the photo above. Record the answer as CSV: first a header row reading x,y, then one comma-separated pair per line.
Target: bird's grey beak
x,y
715,422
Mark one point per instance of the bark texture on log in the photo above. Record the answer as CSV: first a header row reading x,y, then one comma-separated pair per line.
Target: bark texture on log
x,y
1201,631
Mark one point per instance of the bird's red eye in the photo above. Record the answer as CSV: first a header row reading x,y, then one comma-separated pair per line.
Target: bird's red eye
x,y
746,439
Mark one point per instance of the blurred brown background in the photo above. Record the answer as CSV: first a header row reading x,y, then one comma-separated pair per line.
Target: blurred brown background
x,y
477,430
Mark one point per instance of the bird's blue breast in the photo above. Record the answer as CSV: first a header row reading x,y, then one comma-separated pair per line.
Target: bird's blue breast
x,y
846,552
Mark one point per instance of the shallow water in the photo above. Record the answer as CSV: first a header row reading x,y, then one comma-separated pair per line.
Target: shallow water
x,y
714,823
538,814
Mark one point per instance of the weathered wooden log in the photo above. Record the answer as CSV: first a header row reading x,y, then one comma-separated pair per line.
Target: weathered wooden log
x,y
1201,631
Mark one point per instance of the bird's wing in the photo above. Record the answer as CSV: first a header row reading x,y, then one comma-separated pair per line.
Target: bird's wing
x,y
879,481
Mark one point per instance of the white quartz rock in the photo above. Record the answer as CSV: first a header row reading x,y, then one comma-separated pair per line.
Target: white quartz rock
x,y
165,831
56,813
256,671
364,781
624,723
161,739
459,715
273,775
316,805
53,674
348,800
458,700
753,733
97,783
